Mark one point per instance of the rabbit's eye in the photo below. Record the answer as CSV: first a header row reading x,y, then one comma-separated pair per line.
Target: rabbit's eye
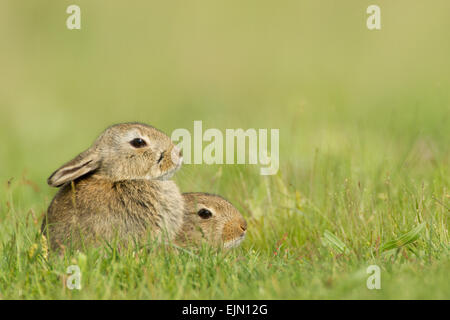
x,y
205,214
138,143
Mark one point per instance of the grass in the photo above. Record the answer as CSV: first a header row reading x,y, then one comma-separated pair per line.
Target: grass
x,y
364,143
295,249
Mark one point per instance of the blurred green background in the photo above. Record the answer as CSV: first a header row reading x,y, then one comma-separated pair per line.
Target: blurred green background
x,y
310,68
363,117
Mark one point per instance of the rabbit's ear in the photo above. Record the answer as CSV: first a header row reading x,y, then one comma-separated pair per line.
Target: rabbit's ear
x,y
84,163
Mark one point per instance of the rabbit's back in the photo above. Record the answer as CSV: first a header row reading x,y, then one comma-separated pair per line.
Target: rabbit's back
x,y
91,210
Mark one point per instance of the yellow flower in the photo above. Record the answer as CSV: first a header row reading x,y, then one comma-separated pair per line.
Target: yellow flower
x,y
32,250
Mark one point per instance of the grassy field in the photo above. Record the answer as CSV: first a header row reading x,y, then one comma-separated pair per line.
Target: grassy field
x,y
364,141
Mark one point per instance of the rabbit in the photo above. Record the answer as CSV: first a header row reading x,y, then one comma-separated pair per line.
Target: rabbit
x,y
213,219
119,188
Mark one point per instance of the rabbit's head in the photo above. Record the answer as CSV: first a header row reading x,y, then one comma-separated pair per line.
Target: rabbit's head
x,y
212,218
124,151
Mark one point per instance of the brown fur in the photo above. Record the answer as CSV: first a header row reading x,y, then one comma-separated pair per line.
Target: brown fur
x,y
116,191
225,228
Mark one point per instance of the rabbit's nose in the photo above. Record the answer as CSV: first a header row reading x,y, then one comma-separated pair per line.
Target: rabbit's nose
x,y
176,155
177,151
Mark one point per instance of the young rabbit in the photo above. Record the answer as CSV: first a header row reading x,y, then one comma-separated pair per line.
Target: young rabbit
x,y
117,189
213,219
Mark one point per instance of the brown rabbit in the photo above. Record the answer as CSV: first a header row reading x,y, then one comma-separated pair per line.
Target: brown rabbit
x,y
117,189
213,219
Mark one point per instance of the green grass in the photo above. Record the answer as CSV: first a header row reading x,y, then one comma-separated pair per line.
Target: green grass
x,y
297,247
364,142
